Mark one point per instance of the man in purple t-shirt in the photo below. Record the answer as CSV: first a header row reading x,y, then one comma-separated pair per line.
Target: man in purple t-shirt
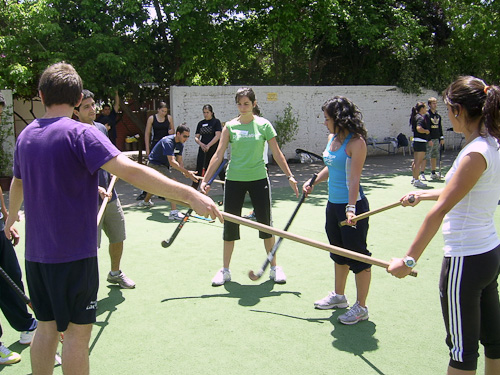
x,y
55,172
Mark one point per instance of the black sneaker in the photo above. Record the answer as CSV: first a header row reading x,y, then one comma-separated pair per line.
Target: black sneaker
x,y
141,196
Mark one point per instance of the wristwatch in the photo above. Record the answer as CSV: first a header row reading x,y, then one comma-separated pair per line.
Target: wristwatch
x,y
409,261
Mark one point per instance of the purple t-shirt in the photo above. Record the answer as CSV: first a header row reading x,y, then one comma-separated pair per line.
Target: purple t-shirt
x,y
57,160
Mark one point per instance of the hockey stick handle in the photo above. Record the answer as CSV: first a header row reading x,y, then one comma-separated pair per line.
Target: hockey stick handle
x,y
306,241
106,199
16,288
310,242
167,243
211,180
376,211
270,256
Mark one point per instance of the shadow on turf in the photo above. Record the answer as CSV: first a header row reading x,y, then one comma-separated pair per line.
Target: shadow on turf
x,y
107,305
248,295
356,339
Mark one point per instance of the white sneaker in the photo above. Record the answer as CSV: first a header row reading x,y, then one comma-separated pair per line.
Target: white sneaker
x,y
122,280
26,337
145,204
277,275
7,356
435,176
221,277
412,181
176,215
419,184
422,176
332,301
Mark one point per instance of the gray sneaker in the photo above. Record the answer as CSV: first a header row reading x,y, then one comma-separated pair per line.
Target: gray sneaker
x,y
419,184
122,280
331,301
354,315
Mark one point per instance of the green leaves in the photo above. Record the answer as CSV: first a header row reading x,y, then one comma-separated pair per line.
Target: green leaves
x,y
126,43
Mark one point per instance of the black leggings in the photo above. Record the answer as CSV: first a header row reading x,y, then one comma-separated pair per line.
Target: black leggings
x,y
234,196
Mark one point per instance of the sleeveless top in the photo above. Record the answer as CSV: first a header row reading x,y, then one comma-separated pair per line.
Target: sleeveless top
x,y
469,227
160,130
339,172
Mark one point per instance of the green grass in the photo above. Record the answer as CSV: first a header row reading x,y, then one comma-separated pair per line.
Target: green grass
x,y
175,322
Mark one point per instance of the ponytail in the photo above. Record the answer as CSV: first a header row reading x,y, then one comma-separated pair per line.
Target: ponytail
x,y
479,100
491,111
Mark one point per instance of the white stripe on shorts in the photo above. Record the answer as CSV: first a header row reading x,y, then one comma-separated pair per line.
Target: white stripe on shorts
x,y
454,312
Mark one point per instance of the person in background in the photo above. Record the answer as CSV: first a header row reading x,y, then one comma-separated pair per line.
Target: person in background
x,y
207,136
421,132
166,158
436,139
158,126
108,116
113,219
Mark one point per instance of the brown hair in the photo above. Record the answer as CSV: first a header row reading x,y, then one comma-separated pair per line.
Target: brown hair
x,y
60,84
479,100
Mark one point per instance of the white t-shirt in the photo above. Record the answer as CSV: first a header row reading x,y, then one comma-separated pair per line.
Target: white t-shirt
x,y
468,228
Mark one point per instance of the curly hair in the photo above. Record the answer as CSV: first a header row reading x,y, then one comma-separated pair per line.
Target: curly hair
x,y
345,114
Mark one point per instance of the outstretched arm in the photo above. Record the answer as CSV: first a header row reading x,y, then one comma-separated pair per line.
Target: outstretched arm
x,y
466,176
116,105
149,180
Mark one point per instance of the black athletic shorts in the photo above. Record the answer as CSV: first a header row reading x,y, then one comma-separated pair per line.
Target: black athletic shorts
x,y
350,238
419,146
64,292
234,196
468,290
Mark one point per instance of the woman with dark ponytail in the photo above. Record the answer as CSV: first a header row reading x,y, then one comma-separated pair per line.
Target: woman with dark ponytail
x,y
466,206
421,132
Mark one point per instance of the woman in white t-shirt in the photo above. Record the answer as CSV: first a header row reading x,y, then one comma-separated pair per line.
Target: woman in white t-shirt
x,y
466,206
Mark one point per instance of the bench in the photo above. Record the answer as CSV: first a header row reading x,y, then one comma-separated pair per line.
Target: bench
x,y
389,144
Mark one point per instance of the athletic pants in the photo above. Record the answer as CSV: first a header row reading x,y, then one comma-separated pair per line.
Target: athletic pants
x,y
13,307
234,196
471,309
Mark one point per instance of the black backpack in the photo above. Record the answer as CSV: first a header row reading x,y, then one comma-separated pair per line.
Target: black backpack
x,y
402,140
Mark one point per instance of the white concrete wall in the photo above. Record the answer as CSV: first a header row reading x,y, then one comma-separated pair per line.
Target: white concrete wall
x,y
385,109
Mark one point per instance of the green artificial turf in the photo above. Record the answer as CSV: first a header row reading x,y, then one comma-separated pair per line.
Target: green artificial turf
x,y
175,322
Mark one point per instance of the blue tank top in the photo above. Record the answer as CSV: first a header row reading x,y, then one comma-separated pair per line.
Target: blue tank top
x,y
339,171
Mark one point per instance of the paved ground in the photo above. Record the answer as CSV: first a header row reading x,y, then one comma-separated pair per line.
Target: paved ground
x,y
374,166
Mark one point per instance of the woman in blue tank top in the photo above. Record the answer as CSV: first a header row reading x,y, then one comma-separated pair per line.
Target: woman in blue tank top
x,y
344,157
